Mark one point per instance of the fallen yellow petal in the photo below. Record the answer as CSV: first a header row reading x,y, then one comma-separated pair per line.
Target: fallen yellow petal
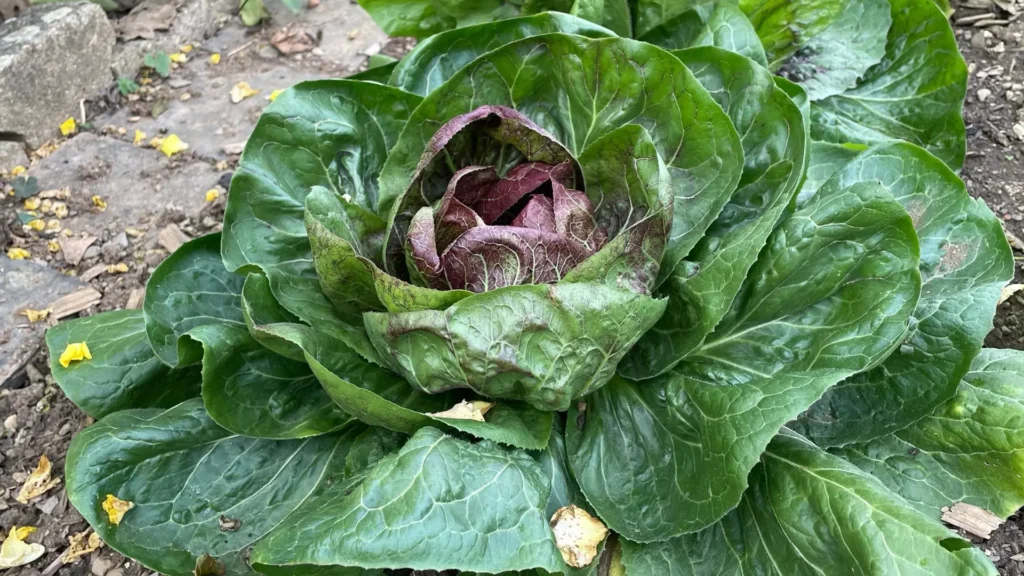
x,y
186,48
140,136
36,225
32,203
17,171
179,58
80,545
60,210
53,225
241,91
577,535
212,194
98,202
36,315
75,352
171,145
119,268
53,246
156,142
68,127
116,508
464,410
215,58
273,95
17,254
16,552
38,482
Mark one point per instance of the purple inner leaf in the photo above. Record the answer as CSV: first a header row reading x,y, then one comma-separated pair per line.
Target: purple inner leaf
x,y
520,181
538,214
574,217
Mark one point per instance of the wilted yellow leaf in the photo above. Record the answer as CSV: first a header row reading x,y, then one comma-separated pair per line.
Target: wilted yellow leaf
x,y
36,225
116,508
68,127
464,410
215,58
81,544
140,136
577,535
171,145
38,482
75,352
60,210
98,202
119,268
32,203
17,254
179,58
273,95
16,552
36,315
241,91
17,171
212,194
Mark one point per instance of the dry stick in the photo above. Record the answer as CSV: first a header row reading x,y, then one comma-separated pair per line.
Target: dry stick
x,y
990,22
240,48
974,18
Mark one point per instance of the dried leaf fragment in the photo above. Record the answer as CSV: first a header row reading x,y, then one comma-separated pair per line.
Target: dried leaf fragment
x,y
35,315
577,535
241,91
68,127
81,544
38,482
207,565
971,518
98,202
18,254
1008,291
171,145
116,508
16,552
75,352
464,410
119,268
229,524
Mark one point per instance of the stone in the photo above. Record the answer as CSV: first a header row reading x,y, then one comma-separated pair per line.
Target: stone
x,y
25,284
52,57
12,154
114,250
194,21
100,565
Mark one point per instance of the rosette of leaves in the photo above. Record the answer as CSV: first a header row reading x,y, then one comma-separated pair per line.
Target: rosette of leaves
x,y
537,265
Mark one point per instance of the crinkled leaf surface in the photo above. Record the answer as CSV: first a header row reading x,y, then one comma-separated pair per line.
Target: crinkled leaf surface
x,y
123,372
671,455
825,160
580,89
823,45
713,24
381,398
965,262
542,344
436,59
183,472
439,503
616,15
330,133
833,289
810,513
260,308
251,391
916,93
971,449
702,287
190,288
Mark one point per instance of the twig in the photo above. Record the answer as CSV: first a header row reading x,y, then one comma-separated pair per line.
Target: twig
x,y
972,19
81,108
240,48
991,22
55,565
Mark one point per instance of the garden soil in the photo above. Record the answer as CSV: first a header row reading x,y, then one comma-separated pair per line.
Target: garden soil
x,y
153,203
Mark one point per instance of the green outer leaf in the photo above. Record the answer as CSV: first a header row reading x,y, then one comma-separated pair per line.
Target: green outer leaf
x,y
653,13
190,288
702,287
971,449
713,24
833,289
423,18
331,133
436,59
380,398
612,14
580,89
253,392
555,463
810,513
826,160
671,455
379,74
183,472
965,262
260,308
907,96
123,373
542,344
348,275
439,503
823,45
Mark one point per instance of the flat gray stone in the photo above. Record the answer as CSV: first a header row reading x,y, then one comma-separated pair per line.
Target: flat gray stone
x,y
51,57
195,21
12,154
25,284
